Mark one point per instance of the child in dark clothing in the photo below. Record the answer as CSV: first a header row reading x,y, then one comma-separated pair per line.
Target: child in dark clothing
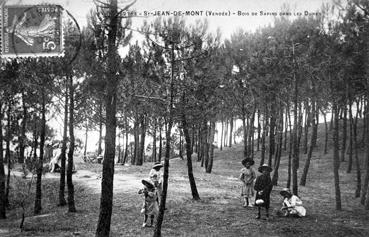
x,y
263,187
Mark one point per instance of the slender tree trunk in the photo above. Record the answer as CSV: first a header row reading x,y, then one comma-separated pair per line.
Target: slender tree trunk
x,y
245,151
331,124
221,136
141,153
180,144
22,137
126,141
99,148
225,133
336,157
106,201
7,153
136,142
2,171
263,136
272,135
191,178
326,134
311,147
86,136
153,158
205,144
285,130
62,201
295,157
209,166
344,132
259,132
364,194
71,205
290,150
251,134
230,131
306,126
160,142
278,153
157,230
349,166
357,161
38,207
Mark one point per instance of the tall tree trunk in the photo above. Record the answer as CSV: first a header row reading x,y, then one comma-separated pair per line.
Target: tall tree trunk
x,y
295,157
272,135
180,144
141,152
336,158
230,131
135,155
205,144
209,166
351,120
290,150
285,130
344,132
62,200
191,178
160,143
157,230
306,126
7,152
221,136
251,134
22,137
2,171
106,201
278,153
312,142
357,161
126,140
99,148
326,133
71,205
263,136
225,133
244,125
259,132
364,194
38,207
86,136
153,158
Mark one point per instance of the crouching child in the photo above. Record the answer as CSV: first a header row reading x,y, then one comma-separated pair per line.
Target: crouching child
x,y
292,205
150,205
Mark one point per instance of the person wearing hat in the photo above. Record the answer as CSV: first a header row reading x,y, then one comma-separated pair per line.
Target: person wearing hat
x,y
263,187
156,177
150,206
247,177
292,205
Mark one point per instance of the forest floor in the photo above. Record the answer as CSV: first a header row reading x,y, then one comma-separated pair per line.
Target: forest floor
x,y
218,213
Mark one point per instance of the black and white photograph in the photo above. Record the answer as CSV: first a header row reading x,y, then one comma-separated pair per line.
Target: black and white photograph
x,y
184,118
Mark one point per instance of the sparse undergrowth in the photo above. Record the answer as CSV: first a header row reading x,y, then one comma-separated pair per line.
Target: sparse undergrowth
x,y
219,213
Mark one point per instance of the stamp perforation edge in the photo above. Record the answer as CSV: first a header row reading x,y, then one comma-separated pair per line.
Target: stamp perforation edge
x,y
60,53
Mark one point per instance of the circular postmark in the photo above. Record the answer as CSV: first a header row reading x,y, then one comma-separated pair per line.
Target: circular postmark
x,y
40,31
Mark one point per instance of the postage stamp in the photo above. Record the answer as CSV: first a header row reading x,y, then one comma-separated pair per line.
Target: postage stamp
x,y
32,31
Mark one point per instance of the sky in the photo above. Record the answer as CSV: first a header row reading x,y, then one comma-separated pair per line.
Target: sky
x,y
226,24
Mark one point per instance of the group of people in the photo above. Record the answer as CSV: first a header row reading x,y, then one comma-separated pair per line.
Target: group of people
x,y
262,184
151,192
